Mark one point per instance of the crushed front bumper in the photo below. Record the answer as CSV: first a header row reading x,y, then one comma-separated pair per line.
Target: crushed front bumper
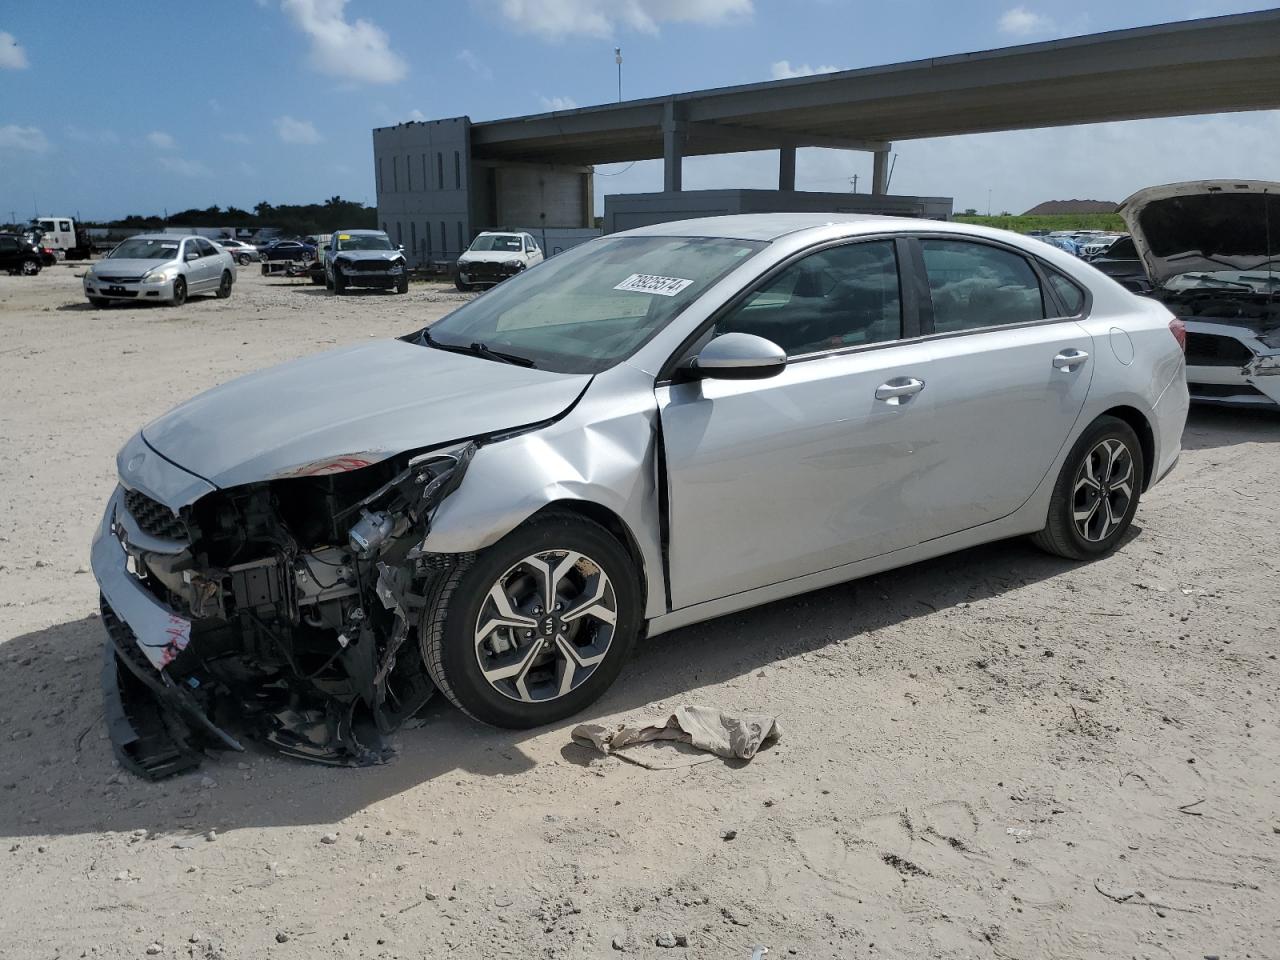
x,y
156,728
1231,366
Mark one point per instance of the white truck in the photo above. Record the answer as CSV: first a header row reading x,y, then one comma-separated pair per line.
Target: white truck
x,y
63,237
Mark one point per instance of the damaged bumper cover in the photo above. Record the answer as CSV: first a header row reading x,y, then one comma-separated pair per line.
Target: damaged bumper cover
x,y
303,646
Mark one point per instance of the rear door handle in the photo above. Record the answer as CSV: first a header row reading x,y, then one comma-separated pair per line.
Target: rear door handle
x,y
899,389
1069,359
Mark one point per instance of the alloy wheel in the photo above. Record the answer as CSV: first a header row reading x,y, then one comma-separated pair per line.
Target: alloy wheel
x,y
1103,490
30,268
545,626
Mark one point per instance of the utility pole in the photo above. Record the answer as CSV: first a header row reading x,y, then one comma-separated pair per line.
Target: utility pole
x,y
617,58
854,181
988,201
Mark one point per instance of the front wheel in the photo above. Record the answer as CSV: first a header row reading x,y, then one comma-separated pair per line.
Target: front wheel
x,y
224,286
402,284
339,284
179,292
30,268
461,284
535,628
1097,492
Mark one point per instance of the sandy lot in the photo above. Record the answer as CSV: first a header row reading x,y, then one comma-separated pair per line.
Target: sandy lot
x,y
995,754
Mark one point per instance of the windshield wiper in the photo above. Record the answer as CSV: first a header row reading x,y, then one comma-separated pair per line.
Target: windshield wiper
x,y
478,349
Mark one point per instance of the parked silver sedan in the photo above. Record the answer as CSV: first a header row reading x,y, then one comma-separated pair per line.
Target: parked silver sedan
x,y
650,430
162,268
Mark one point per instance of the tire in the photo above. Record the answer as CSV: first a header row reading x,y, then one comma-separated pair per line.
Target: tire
x,y
464,287
461,604
1097,492
224,285
30,267
243,259
328,281
339,284
179,292
98,303
402,284
265,271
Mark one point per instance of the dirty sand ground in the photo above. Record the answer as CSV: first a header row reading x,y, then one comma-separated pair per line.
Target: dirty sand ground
x,y
996,754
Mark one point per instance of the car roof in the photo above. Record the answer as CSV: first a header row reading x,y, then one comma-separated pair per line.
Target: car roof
x,y
164,236
772,226
376,233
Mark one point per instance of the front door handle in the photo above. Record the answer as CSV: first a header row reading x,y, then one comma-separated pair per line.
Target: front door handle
x,y
1070,359
899,389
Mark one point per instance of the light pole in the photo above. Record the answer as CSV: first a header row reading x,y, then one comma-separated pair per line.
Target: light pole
x,y
988,201
617,58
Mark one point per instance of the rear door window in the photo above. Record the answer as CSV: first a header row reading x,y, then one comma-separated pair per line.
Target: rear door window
x,y
843,296
976,285
1069,293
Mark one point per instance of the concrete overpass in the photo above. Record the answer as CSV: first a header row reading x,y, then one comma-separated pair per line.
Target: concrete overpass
x,y
1215,65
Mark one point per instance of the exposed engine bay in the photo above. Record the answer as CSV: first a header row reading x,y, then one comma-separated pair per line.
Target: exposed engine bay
x,y
303,595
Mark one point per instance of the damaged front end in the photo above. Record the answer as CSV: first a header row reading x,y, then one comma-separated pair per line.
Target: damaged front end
x,y
285,610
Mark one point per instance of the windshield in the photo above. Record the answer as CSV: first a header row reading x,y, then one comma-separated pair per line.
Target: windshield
x,y
364,241
142,249
497,241
585,310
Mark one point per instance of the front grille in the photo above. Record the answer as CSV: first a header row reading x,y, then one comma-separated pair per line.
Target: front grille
x,y
1222,390
1211,350
371,266
154,518
103,278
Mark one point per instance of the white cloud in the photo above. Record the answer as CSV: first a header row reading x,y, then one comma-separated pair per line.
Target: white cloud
x,y
297,131
29,139
12,56
82,135
417,115
161,140
1021,22
476,65
555,19
215,104
783,70
357,51
558,103
236,137
183,167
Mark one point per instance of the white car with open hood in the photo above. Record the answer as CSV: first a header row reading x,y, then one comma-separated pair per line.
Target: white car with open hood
x,y
1212,252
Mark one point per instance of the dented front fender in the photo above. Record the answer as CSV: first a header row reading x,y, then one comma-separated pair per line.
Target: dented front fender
x,y
603,452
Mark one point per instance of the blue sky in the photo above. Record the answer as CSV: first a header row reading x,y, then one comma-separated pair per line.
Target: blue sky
x,y
114,108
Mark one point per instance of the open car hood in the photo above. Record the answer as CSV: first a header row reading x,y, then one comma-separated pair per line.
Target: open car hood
x,y
348,408
1205,226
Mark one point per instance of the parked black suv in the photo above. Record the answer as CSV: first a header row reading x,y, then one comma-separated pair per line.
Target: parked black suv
x,y
18,256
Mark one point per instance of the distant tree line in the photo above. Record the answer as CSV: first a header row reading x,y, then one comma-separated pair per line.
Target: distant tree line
x,y
302,219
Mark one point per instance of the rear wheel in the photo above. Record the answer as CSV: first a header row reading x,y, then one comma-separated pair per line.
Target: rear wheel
x,y
224,287
537,626
243,259
1097,492
179,292
30,268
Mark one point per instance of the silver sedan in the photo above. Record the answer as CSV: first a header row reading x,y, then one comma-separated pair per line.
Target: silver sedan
x,y
160,268
650,430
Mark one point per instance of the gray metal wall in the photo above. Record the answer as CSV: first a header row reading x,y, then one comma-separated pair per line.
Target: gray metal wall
x,y
423,176
625,211
434,197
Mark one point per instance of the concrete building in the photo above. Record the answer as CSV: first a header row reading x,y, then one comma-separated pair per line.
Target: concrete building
x,y
534,172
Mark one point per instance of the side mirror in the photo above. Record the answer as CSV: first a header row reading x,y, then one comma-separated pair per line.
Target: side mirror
x,y
738,356
401,248
193,255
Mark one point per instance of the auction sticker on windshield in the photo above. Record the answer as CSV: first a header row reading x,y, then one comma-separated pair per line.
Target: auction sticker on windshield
x,y
648,283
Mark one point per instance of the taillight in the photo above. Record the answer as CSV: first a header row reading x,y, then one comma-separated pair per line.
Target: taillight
x,y
1179,331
